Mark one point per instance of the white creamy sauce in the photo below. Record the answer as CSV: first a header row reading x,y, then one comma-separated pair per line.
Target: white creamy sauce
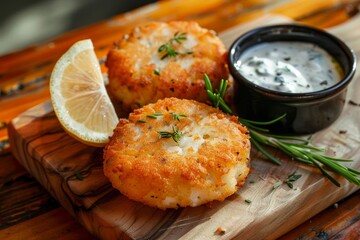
x,y
294,67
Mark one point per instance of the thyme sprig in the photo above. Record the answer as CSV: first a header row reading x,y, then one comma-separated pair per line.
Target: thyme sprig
x,y
296,148
176,135
168,47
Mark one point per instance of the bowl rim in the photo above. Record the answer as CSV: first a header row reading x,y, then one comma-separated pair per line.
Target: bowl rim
x,y
291,28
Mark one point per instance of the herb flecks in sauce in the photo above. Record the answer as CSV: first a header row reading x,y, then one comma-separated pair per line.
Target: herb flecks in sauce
x,y
294,67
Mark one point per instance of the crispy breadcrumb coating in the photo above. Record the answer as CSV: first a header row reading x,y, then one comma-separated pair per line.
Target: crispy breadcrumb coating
x,y
138,75
209,162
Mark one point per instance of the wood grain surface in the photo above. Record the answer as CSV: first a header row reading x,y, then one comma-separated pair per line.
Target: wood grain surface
x,y
72,173
27,211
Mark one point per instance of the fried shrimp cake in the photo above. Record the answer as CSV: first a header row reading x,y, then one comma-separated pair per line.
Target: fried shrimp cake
x,y
139,73
177,153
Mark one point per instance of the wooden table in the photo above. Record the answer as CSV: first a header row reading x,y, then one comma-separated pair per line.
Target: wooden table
x,y
27,211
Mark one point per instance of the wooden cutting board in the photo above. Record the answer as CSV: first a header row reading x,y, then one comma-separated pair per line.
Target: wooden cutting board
x,y
72,173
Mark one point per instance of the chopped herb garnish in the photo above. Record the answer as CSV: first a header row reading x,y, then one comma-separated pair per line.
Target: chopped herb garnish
x,y
261,71
247,201
176,135
277,184
151,116
292,178
154,116
141,121
296,148
168,47
287,69
156,72
324,82
313,56
255,62
279,79
177,116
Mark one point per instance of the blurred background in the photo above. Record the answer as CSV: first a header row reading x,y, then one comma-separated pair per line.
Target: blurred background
x,y
24,22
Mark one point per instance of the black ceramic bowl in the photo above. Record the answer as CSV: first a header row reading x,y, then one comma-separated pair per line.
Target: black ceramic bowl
x,y
305,112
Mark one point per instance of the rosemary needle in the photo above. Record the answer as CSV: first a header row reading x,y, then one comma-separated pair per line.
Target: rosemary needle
x,y
298,149
177,116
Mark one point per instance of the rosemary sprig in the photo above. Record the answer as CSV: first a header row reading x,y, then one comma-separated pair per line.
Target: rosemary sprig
x,y
176,135
217,98
298,149
168,47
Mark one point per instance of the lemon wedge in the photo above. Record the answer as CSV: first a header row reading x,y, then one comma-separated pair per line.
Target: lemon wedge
x,y
79,96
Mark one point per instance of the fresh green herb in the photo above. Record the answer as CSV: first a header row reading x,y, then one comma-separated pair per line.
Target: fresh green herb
x,y
141,121
247,201
154,116
298,149
175,135
324,82
277,184
279,79
156,72
217,98
261,71
177,116
287,69
292,178
168,47
255,62
151,116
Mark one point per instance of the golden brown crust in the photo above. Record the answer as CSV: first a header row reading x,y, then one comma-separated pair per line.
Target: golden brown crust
x,y
210,162
134,65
